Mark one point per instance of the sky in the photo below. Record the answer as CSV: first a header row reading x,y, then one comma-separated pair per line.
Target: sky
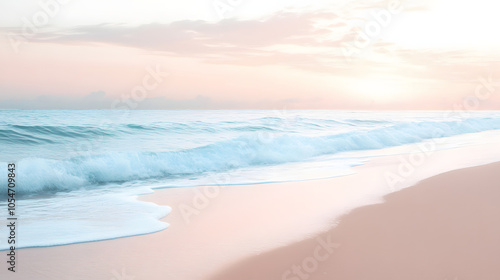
x,y
241,54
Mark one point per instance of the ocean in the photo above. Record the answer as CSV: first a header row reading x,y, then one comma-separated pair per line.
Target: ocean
x,y
79,172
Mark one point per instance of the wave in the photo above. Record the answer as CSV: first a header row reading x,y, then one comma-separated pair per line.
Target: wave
x,y
48,134
56,134
38,175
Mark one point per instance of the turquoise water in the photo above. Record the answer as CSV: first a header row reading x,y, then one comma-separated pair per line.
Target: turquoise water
x,y
79,171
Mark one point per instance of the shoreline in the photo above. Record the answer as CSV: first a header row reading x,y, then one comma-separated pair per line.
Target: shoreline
x,y
238,223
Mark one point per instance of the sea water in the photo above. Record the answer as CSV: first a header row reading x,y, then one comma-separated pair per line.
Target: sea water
x,y
78,173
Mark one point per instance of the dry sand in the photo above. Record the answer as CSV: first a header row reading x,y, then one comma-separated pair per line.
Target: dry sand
x,y
446,227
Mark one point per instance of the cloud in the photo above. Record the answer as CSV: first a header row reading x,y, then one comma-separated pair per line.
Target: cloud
x,y
229,41
95,100
99,100
314,41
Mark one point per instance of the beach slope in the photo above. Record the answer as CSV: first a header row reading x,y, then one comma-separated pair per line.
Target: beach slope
x,y
446,227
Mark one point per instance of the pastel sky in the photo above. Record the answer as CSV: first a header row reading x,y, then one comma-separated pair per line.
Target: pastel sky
x,y
242,54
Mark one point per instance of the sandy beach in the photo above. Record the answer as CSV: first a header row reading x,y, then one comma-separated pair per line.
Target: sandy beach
x,y
445,227
249,140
